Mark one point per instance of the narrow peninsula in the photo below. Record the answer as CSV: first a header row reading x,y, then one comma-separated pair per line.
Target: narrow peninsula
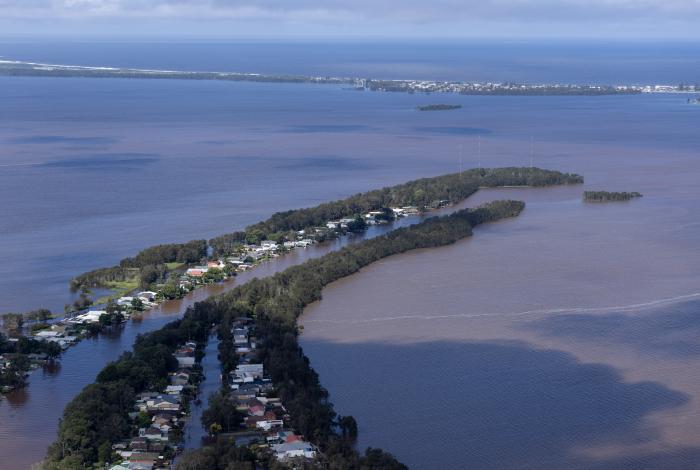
x,y
36,69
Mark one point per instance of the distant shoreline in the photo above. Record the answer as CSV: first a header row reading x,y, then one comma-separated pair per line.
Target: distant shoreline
x,y
36,69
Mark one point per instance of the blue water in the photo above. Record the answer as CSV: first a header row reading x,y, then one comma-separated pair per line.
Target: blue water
x,y
94,169
91,170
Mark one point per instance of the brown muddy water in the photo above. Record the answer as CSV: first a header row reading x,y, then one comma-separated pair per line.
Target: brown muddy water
x,y
566,338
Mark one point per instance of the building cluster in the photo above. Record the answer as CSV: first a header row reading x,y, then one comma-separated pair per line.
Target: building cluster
x,y
430,86
159,417
252,393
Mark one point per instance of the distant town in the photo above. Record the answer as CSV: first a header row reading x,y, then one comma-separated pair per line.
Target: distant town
x,y
20,68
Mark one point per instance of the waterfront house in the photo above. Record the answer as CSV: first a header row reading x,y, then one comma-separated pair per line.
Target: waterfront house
x,y
268,245
46,334
147,296
93,316
293,449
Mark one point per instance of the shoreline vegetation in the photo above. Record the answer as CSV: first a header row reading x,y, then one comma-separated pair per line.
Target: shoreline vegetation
x,y
609,196
33,69
97,421
170,271
438,107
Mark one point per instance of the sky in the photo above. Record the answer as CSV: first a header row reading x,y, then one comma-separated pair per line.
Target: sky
x,y
399,19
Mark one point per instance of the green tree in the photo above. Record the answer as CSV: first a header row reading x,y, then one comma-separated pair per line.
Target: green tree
x,y
137,304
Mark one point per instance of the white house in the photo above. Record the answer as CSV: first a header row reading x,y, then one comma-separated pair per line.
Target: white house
x,y
266,425
93,316
293,449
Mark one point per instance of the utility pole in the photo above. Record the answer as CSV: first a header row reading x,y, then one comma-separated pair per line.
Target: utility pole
x,y
478,151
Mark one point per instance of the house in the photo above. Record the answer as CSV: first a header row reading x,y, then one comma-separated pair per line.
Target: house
x,y
121,466
268,245
143,460
256,407
93,316
153,433
163,403
160,422
293,449
185,351
246,373
240,336
252,421
217,264
245,392
180,378
139,444
47,334
304,243
269,424
185,362
165,417
196,272
174,389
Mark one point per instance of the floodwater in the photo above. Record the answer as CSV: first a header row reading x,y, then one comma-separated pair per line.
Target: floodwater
x,y
29,417
194,432
564,338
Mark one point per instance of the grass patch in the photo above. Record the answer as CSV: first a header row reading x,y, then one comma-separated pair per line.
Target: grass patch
x,y
119,289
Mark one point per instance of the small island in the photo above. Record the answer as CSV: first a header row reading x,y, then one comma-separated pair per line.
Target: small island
x,y
438,107
609,196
